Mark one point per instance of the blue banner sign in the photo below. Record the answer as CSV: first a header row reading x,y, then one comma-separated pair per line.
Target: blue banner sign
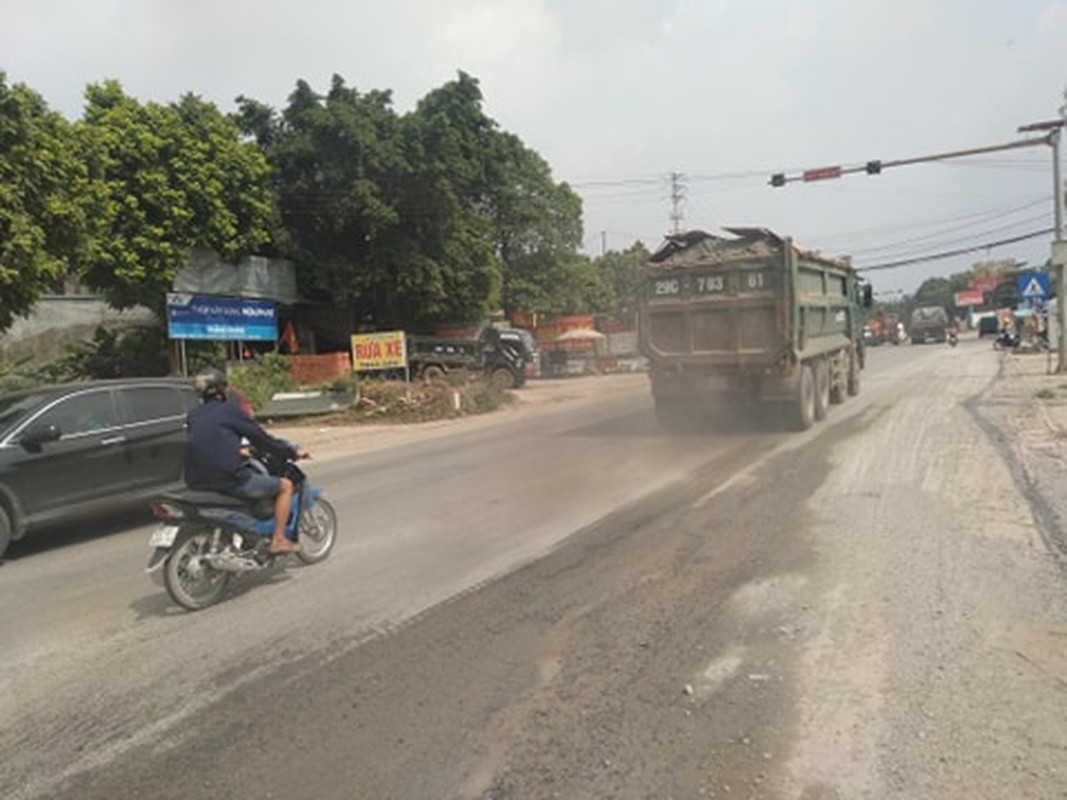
x,y
195,316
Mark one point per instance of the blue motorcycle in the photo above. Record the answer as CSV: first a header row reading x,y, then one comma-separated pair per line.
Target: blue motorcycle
x,y
206,538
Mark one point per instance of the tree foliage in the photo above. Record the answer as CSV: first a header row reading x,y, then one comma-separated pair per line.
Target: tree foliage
x,y
413,220
165,179
620,270
41,180
417,219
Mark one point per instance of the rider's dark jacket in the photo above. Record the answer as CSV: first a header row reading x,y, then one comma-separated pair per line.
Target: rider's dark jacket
x,y
213,459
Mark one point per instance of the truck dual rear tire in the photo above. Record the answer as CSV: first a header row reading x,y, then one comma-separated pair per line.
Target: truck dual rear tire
x,y
802,409
821,372
853,374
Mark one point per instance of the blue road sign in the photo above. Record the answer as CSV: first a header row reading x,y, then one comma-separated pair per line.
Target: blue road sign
x,y
1032,285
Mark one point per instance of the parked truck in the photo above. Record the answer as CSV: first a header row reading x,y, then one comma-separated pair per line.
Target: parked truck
x,y
753,318
501,354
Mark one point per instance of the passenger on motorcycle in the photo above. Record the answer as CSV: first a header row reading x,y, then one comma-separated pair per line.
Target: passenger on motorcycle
x,y
213,459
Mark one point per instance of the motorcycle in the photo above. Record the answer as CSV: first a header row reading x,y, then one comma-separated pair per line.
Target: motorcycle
x,y
953,337
1007,339
206,538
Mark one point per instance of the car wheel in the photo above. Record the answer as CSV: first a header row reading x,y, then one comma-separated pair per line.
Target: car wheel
x,y
5,532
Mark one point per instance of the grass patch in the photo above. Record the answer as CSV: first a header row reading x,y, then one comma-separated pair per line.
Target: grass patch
x,y
1044,394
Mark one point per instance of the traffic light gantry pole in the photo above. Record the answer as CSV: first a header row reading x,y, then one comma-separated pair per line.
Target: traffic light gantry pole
x,y
1059,245
876,167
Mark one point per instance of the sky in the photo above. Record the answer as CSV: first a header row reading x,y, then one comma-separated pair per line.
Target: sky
x,y
618,96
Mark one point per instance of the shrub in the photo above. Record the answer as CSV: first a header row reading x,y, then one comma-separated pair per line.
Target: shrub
x,y
262,378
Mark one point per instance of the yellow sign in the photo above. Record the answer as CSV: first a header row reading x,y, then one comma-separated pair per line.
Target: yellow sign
x,y
372,351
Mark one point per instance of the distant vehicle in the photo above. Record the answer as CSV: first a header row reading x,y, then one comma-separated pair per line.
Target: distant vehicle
x,y
883,328
72,450
988,325
929,323
752,317
502,356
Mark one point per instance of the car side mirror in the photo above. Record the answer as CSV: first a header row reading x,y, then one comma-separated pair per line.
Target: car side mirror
x,y
37,435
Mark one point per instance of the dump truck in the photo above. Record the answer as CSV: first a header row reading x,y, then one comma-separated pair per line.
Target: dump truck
x,y
928,322
749,318
501,354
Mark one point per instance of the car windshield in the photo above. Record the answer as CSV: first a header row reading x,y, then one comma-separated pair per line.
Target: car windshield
x,y
14,408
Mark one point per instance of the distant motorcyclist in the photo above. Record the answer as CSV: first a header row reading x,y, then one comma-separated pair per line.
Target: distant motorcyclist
x,y
213,459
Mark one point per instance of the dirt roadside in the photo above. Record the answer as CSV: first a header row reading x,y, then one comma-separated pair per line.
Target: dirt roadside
x,y
1034,429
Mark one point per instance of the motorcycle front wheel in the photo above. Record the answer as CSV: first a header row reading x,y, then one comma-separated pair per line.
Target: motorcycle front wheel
x,y
318,531
190,582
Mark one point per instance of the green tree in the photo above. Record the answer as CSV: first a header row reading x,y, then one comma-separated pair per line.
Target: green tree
x,y
620,271
538,230
41,178
409,221
384,212
935,292
166,179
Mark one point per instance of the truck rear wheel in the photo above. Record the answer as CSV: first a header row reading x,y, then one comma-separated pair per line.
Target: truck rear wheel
x,y
821,372
504,378
802,409
433,373
853,374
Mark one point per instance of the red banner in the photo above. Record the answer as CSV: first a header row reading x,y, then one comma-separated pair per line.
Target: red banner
x,y
970,297
983,284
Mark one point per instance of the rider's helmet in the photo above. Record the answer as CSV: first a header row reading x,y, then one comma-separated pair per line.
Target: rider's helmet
x,y
211,384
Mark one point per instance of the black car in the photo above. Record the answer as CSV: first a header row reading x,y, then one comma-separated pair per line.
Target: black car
x,y
74,450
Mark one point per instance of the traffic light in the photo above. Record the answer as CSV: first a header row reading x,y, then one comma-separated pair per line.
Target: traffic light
x,y
778,179
874,167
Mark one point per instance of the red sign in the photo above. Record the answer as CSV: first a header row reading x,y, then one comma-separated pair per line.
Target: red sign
x,y
983,284
970,297
822,173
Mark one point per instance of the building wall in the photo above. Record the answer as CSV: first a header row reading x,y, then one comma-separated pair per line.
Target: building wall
x,y
60,320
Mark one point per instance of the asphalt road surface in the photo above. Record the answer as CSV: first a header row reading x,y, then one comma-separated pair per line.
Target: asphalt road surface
x,y
564,602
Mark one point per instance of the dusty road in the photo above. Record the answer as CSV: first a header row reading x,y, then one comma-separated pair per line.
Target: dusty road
x,y
872,609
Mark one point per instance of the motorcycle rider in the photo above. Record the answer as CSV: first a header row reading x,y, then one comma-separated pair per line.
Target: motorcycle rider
x,y
213,460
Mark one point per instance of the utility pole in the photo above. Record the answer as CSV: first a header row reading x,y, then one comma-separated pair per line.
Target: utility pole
x,y
1059,246
677,196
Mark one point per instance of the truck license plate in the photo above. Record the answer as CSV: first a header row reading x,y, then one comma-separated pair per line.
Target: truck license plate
x,y
163,536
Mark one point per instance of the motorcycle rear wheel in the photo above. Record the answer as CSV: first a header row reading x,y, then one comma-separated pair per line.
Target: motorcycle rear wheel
x,y
318,532
190,582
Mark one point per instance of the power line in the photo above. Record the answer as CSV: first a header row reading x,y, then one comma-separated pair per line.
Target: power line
x,y
924,241
952,253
